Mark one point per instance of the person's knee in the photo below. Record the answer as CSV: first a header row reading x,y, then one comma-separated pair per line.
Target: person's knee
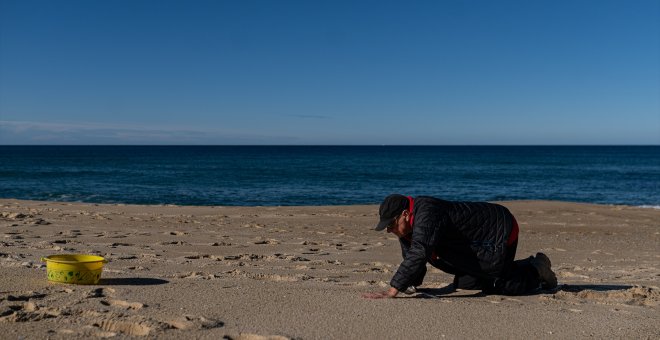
x,y
471,282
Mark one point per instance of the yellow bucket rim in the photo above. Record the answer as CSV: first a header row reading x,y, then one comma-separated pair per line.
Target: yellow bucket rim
x,y
73,258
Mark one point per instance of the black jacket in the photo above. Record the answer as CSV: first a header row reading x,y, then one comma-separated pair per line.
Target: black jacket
x,y
469,238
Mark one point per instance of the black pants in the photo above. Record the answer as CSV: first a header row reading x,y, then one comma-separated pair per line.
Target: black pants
x,y
519,278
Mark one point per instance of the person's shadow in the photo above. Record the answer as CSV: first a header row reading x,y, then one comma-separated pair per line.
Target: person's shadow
x,y
598,288
132,281
447,291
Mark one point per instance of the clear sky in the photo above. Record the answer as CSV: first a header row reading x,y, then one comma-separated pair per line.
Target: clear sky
x,y
330,72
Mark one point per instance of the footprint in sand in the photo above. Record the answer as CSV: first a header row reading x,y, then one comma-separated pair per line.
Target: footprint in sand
x,y
24,296
373,269
217,244
24,310
269,241
40,221
244,257
101,292
121,244
176,243
197,275
124,327
123,304
188,322
635,296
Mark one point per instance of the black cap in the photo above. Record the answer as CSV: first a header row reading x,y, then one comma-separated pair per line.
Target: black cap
x,y
392,206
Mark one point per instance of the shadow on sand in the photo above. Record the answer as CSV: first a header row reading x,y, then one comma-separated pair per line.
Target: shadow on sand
x,y
446,292
598,288
132,281
450,292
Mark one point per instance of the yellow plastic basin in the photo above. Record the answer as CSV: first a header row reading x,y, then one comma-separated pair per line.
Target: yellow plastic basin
x,y
74,268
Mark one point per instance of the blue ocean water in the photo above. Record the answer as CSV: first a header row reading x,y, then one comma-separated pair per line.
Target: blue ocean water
x,y
329,175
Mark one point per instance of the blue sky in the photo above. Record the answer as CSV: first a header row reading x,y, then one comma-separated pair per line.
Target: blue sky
x,y
330,72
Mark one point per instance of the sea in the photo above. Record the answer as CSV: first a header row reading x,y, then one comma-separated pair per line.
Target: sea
x,y
329,175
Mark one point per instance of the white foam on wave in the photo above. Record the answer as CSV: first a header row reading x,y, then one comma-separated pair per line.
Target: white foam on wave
x,y
650,206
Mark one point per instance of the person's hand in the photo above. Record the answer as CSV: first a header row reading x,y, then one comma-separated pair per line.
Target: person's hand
x,y
392,292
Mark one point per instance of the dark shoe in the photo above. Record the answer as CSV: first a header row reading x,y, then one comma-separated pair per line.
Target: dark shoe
x,y
542,264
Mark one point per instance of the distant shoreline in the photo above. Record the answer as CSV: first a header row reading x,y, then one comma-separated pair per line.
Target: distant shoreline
x,y
375,205
332,145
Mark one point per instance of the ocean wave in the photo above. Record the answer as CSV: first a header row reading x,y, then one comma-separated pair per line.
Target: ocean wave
x,y
650,206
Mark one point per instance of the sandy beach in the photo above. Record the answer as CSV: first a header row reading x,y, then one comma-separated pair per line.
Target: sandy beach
x,y
299,272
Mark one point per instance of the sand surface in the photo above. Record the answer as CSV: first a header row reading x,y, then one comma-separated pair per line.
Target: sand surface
x,y
299,272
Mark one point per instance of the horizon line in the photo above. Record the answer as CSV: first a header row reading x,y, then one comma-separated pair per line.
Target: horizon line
x,y
346,145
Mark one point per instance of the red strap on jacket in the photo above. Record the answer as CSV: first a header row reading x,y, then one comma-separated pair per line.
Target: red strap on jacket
x,y
514,232
408,237
411,202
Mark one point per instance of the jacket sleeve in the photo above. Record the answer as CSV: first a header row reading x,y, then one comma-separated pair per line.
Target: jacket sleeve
x,y
418,277
423,238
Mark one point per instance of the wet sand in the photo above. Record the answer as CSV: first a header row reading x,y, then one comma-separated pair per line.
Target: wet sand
x,y
299,272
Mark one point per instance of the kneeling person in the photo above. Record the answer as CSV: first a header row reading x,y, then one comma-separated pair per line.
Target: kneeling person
x,y
475,241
